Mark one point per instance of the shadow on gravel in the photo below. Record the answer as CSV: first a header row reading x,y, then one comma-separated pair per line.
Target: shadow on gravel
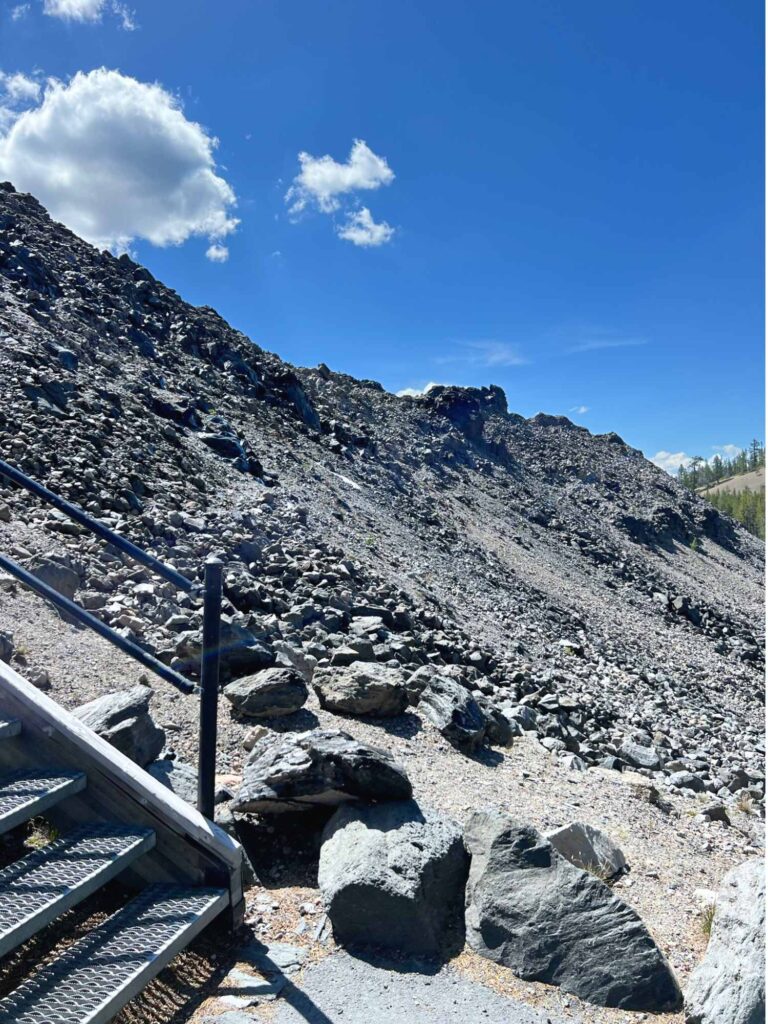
x,y
406,725
487,756
401,964
302,720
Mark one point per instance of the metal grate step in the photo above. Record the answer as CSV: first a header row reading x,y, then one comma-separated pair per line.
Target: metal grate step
x,y
38,889
93,979
24,794
9,727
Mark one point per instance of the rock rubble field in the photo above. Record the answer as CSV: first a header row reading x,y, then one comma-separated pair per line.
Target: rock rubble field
x,y
492,686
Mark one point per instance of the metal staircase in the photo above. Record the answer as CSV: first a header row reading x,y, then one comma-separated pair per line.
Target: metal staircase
x,y
95,840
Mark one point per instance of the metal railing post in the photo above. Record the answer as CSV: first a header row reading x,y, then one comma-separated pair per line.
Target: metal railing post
x,y
209,685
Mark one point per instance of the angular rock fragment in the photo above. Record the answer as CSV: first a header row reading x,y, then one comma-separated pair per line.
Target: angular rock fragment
x,y
123,719
361,689
532,911
454,712
296,771
589,849
267,694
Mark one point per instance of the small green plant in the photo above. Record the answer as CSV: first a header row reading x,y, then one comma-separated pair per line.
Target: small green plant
x,y
41,833
695,544
707,917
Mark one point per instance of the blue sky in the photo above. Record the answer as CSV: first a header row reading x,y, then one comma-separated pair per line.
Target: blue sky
x,y
563,198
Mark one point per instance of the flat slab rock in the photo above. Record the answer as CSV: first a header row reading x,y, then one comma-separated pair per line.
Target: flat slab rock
x,y
531,910
393,876
589,849
728,986
268,694
296,771
362,688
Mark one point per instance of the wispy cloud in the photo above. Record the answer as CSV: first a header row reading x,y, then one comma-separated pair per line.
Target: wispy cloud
x,y
485,353
579,409
597,343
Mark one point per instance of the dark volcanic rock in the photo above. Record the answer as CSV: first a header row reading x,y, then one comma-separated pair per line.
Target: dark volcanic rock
x,y
123,719
454,711
267,694
295,771
534,912
361,689
393,876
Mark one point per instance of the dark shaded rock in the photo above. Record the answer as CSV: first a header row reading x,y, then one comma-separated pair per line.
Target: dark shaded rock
x,y
51,570
453,710
531,910
296,771
361,689
268,694
393,876
123,719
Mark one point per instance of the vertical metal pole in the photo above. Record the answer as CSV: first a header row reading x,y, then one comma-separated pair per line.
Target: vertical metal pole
x,y
209,686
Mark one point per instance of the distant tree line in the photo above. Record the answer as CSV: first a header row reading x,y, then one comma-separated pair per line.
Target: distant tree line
x,y
747,507
701,473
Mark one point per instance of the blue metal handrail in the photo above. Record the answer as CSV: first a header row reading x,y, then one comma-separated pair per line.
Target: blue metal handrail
x,y
210,658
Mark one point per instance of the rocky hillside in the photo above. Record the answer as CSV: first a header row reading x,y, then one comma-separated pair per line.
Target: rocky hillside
x,y
551,569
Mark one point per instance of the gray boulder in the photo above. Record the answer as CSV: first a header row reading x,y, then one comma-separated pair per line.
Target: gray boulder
x,y
54,571
589,849
639,756
123,719
417,682
728,986
180,778
454,712
532,911
393,876
268,694
361,688
296,771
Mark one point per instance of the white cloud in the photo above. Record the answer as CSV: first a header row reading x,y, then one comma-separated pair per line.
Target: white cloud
x,y
579,409
321,179
485,353
19,88
115,159
595,344
361,229
19,11
726,451
74,10
417,392
670,462
217,253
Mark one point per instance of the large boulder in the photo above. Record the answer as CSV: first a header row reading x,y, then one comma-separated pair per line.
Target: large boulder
x,y
393,876
532,911
640,756
454,712
56,572
588,848
361,688
297,771
123,719
267,694
728,986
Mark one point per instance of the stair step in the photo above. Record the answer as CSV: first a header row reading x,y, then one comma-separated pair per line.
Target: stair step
x,y
9,727
45,884
94,978
23,794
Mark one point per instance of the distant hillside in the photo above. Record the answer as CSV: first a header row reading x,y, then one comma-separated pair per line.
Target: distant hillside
x,y
753,481
734,486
